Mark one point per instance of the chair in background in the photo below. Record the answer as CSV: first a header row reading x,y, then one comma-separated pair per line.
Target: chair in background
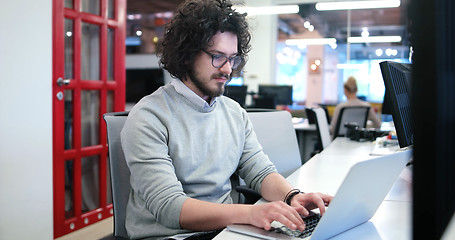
x,y
357,114
276,134
120,173
326,111
319,116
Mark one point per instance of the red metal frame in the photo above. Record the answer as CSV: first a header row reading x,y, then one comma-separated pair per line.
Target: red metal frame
x,y
79,220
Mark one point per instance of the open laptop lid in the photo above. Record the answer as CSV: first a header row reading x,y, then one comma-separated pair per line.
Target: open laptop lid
x,y
356,201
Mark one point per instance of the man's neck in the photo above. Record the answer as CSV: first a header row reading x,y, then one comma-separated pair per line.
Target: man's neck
x,y
196,90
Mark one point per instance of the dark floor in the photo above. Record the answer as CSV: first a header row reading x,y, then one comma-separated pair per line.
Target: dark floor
x,y
110,237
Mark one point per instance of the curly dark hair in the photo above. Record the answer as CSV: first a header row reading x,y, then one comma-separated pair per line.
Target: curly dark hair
x,y
191,30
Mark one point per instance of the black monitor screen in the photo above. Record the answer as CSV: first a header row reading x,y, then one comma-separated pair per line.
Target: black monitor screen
x,y
281,93
397,81
142,82
386,108
238,93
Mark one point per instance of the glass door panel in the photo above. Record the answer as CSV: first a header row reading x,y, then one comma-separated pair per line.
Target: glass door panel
x,y
110,9
90,118
110,53
68,108
69,185
91,6
69,4
69,48
90,183
90,52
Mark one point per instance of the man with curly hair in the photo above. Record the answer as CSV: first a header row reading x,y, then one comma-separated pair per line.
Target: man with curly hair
x,y
183,142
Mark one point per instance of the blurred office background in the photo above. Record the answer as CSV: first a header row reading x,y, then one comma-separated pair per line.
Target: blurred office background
x,y
287,50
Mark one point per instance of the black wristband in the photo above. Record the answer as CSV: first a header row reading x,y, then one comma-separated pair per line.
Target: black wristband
x,y
290,195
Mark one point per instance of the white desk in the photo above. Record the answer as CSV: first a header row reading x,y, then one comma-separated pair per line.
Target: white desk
x,y
325,172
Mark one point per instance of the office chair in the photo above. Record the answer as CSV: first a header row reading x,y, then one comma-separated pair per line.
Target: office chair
x,y
357,114
120,173
276,134
326,110
318,115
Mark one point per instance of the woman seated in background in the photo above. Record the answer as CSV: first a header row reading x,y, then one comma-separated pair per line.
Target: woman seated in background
x,y
350,91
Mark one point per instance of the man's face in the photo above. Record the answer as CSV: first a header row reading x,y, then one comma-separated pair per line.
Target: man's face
x,y
206,80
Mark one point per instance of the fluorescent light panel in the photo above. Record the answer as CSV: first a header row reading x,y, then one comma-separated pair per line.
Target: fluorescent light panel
x,y
311,41
376,39
268,10
330,6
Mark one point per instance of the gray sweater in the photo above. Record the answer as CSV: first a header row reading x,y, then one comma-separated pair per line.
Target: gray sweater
x,y
177,148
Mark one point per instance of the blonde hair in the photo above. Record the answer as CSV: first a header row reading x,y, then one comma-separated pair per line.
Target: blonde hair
x,y
351,85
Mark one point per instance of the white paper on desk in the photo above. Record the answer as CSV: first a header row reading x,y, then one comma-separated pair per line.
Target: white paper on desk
x,y
381,150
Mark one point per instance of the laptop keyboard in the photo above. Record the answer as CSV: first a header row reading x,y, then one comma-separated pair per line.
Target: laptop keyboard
x,y
310,223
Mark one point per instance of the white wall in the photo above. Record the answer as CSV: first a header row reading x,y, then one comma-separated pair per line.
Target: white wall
x,y
26,120
260,68
139,61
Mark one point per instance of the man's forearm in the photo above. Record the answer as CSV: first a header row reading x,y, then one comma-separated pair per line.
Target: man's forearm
x,y
203,216
275,187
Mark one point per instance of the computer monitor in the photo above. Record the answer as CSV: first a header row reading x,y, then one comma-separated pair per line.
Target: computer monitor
x,y
397,81
281,93
386,108
142,82
236,92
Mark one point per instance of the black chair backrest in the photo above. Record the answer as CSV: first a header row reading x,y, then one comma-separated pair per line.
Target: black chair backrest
x,y
354,114
120,173
318,115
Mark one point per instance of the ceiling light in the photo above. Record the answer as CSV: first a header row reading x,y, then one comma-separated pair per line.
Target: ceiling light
x,y
376,39
268,10
311,28
391,52
312,41
365,32
329,6
306,24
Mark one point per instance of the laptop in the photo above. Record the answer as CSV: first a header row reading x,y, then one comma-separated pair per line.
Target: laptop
x,y
356,201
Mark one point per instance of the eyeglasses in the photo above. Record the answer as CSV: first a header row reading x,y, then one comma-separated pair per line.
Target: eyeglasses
x,y
218,60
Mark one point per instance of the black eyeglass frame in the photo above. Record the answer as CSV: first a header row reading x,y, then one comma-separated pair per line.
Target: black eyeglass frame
x,y
232,60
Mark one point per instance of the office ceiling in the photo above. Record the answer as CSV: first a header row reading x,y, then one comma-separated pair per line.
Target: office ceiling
x,y
151,6
380,22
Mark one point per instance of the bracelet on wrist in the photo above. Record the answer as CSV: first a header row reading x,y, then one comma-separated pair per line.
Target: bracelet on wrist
x,y
290,195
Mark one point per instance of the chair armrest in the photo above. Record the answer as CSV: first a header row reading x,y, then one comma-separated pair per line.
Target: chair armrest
x,y
250,195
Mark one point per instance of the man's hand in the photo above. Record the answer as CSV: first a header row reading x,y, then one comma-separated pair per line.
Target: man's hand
x,y
309,201
262,215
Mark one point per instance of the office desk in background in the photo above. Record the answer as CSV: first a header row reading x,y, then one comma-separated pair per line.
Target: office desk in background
x,y
325,172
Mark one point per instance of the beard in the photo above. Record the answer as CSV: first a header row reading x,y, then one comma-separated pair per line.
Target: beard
x,y
204,88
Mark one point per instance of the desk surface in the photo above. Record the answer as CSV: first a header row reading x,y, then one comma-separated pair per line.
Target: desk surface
x,y
301,124
325,172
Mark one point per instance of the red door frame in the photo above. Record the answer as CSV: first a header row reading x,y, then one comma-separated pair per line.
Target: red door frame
x,y
62,225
